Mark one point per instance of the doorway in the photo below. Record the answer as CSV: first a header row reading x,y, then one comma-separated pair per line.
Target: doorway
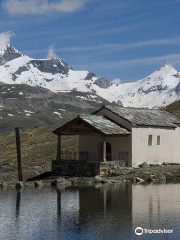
x,y
108,151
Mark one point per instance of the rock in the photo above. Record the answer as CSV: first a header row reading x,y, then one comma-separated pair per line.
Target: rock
x,y
159,177
144,165
19,185
98,179
102,173
89,182
4,185
115,181
38,183
60,181
169,173
138,180
29,184
154,165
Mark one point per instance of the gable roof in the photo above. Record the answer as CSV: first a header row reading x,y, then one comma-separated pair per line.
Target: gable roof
x,y
145,117
98,123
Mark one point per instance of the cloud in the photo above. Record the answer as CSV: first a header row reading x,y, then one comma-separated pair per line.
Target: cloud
x,y
5,38
107,48
173,59
51,52
37,7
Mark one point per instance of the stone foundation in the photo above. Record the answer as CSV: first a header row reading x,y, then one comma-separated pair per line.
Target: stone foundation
x,y
84,168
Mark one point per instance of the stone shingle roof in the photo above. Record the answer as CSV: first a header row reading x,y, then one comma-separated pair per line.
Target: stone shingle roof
x,y
145,117
104,125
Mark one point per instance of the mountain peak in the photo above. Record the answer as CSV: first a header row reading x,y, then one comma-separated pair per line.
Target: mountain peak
x,y
167,67
8,53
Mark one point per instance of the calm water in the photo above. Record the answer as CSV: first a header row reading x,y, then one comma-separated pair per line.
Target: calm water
x,y
102,212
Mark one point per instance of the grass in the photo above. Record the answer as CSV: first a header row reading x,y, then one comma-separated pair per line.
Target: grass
x,y
174,108
38,147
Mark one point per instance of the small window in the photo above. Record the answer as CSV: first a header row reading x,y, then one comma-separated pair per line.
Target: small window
x,y
158,140
150,140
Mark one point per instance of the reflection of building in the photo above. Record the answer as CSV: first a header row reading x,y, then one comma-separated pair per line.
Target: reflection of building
x,y
68,204
107,210
155,206
115,134
99,211
104,212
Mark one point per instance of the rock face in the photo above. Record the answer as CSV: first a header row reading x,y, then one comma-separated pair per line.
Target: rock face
x,y
52,66
8,53
102,82
178,89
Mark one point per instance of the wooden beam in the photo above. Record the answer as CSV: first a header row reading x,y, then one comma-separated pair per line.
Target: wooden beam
x,y
104,149
58,157
18,149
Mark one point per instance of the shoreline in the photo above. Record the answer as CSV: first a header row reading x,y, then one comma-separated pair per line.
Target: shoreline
x,y
148,175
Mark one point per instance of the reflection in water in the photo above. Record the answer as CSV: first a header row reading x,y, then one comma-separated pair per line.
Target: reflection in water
x,y
18,202
101,212
58,202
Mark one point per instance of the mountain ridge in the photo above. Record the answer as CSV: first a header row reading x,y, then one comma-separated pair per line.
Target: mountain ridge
x,y
159,89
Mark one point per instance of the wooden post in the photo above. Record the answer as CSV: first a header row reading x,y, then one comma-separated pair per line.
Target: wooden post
x,y
104,149
58,148
18,148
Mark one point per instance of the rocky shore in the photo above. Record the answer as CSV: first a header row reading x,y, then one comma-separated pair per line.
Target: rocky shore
x,y
145,174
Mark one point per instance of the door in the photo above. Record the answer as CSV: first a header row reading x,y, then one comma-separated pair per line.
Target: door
x,y
108,151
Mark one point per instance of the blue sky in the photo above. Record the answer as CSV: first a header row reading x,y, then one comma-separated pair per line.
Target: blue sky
x,y
126,39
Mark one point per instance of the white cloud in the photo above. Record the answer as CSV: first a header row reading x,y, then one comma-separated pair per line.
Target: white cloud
x,y
173,59
111,47
32,7
5,38
51,52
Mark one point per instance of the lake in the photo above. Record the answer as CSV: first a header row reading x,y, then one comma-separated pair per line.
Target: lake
x,y
102,212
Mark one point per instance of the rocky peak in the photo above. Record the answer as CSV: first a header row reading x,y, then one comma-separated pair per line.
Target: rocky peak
x,y
102,82
52,65
8,53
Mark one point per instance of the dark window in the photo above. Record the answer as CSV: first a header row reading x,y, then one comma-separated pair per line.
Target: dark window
x,y
158,140
150,140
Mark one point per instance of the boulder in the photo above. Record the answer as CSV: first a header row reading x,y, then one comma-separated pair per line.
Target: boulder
x,y
29,184
144,165
137,180
38,183
98,179
159,177
60,181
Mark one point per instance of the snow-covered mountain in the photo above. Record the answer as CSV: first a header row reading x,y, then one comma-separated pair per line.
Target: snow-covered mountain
x,y
159,89
54,73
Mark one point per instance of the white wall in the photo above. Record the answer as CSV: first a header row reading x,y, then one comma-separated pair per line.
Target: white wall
x,y
167,151
139,151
